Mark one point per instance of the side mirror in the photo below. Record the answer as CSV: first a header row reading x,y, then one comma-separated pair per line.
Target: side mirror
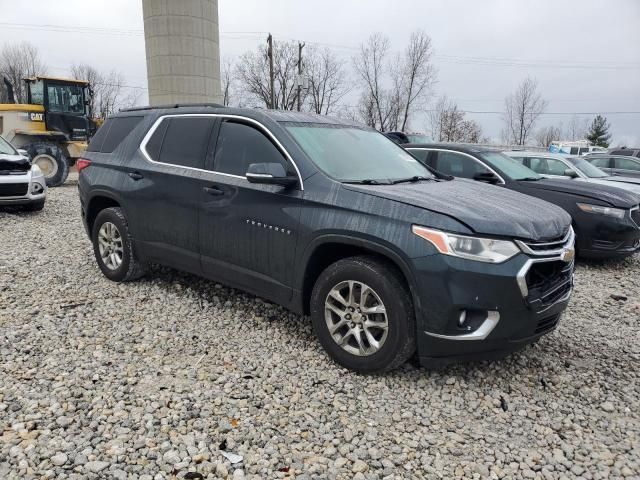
x,y
270,174
488,177
570,173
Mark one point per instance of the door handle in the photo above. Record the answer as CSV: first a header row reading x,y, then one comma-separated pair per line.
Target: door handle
x,y
213,190
136,175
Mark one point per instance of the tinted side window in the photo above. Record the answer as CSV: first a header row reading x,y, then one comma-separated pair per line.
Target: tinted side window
x,y
626,152
625,164
600,162
574,150
240,145
186,141
420,155
458,165
155,142
119,129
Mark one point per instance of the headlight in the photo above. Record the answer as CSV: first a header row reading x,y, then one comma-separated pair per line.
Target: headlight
x,y
473,248
608,211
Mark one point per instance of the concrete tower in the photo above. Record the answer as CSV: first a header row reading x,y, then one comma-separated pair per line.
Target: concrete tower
x,y
183,50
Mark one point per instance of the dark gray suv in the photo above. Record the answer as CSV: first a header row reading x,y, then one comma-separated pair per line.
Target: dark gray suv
x,y
331,219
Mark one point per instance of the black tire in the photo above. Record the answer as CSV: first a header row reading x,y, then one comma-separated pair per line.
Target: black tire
x,y
387,282
34,206
54,153
130,268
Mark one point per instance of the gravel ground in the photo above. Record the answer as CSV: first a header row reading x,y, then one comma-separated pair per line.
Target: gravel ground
x,y
155,379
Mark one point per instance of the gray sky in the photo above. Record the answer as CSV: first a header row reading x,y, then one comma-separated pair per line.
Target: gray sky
x,y
483,49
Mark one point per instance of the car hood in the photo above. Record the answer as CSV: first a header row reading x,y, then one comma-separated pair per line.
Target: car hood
x,y
630,187
616,178
485,209
614,196
14,163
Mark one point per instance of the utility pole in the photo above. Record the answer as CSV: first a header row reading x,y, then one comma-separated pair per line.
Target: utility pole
x,y
271,79
300,47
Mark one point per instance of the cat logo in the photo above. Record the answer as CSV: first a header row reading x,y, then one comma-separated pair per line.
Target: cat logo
x,y
36,117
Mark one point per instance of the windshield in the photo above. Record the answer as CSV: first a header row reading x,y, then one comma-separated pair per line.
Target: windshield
x,y
510,167
419,138
65,98
6,148
588,169
352,154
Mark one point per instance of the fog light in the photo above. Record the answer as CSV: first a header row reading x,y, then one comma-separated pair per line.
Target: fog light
x,y
36,188
463,318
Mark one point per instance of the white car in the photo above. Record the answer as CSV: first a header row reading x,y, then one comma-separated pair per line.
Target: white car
x,y
21,184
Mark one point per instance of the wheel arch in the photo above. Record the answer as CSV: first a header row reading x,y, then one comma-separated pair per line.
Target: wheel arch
x,y
100,200
328,249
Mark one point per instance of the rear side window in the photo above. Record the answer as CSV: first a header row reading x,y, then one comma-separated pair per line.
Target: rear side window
x,y
626,152
240,145
112,133
181,141
600,162
625,164
420,154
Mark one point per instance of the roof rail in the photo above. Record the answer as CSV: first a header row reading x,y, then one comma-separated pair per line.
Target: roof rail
x,y
172,105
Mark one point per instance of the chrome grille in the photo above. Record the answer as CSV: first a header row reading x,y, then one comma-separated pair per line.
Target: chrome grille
x,y
554,247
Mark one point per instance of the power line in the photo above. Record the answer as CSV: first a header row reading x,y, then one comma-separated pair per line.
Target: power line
x,y
444,58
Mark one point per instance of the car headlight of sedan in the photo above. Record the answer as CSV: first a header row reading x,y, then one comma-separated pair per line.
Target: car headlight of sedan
x,y
473,248
600,210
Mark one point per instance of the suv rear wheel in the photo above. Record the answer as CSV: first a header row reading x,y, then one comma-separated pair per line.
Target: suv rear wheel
x,y
113,248
363,315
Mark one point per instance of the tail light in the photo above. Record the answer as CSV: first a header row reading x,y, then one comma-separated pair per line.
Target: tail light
x,y
82,163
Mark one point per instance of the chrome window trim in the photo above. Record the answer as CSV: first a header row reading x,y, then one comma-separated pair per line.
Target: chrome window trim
x,y
256,123
482,332
501,182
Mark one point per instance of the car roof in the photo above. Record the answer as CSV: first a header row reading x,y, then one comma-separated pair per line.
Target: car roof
x,y
608,155
253,113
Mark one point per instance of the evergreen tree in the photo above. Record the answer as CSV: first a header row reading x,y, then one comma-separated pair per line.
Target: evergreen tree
x,y
599,132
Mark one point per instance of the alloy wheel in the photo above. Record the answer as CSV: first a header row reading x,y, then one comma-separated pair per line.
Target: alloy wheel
x,y
110,246
356,318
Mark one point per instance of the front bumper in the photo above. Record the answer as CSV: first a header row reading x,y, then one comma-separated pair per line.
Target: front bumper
x,y
22,189
504,306
605,237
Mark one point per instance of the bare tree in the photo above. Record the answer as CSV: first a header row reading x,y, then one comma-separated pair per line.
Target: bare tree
x,y
109,91
17,62
370,66
253,74
417,74
327,80
448,124
545,135
226,75
577,128
522,110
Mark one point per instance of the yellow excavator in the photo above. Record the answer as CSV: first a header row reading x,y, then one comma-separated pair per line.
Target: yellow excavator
x,y
53,127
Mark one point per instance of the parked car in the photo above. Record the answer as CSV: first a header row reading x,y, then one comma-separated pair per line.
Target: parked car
x,y
21,183
554,165
605,218
328,218
626,166
402,137
579,147
625,151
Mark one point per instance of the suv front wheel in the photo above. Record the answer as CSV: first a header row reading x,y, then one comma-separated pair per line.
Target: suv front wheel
x,y
113,248
363,315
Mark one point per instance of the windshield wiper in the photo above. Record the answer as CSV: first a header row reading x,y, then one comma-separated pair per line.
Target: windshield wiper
x,y
414,179
529,179
367,181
